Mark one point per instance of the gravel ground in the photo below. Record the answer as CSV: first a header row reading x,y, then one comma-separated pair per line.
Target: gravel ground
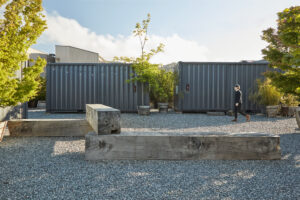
x,y
173,123
54,168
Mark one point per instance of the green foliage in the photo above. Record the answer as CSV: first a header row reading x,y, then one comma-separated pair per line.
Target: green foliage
x,y
289,100
265,94
283,51
160,82
163,89
22,24
41,91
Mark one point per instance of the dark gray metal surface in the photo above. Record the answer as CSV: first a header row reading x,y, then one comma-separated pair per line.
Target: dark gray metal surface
x,y
70,86
208,86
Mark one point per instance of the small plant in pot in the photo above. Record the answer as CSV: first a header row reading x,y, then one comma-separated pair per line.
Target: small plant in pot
x,y
268,96
163,89
39,101
289,105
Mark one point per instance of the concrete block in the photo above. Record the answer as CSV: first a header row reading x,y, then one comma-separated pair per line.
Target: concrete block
x,y
49,127
144,110
103,119
182,147
41,104
163,107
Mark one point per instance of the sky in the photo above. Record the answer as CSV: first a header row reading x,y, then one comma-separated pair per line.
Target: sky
x,y
192,30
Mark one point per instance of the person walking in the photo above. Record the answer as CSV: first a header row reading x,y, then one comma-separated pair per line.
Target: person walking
x,y
238,103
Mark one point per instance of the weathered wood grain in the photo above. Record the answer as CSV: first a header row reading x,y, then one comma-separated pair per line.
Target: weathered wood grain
x,y
184,147
49,127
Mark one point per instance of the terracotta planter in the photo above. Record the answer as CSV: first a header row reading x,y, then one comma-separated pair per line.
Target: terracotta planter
x,y
272,111
163,107
2,129
298,116
144,110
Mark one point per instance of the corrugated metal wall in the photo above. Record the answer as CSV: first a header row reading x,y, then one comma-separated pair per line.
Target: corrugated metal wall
x,y
70,86
209,86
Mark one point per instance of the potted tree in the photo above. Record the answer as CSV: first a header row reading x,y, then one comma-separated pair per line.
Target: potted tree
x,y
282,52
41,93
39,101
144,71
163,89
289,105
23,22
268,96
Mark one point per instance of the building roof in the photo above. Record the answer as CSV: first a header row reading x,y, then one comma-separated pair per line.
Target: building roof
x,y
31,50
76,48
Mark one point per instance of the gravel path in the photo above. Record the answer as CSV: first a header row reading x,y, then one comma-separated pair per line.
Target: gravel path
x,y
202,123
173,123
54,168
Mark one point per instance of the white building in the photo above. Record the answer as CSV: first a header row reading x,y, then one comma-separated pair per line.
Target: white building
x,y
69,54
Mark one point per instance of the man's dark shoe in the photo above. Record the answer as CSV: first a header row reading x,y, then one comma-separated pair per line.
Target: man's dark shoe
x,y
248,118
234,120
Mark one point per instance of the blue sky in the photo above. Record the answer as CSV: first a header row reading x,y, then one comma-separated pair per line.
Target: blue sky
x,y
203,30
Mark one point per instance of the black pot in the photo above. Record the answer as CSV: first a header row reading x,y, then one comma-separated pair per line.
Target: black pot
x,y
32,104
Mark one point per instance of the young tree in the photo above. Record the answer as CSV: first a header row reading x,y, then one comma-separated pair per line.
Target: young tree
x,y
283,51
145,72
22,23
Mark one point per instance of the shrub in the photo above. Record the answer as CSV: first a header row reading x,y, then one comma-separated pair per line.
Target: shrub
x,y
283,52
265,94
163,88
41,91
289,100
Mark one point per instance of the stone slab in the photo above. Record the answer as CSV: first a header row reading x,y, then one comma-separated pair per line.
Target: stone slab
x,y
49,127
182,147
103,119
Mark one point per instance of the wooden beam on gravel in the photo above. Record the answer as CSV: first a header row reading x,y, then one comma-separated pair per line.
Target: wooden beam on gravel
x,y
182,147
49,127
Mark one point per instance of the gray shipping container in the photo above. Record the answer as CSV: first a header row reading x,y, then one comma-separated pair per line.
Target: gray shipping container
x,y
208,86
70,86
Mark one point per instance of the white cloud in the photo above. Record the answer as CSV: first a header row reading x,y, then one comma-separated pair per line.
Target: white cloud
x,y
65,31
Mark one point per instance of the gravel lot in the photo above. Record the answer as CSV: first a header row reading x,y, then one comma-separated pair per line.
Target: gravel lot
x,y
54,168
173,123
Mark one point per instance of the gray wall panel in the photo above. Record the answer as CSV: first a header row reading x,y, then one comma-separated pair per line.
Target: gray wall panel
x,y
71,86
211,85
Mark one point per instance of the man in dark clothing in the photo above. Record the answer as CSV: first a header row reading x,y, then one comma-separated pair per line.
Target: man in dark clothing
x,y
238,100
